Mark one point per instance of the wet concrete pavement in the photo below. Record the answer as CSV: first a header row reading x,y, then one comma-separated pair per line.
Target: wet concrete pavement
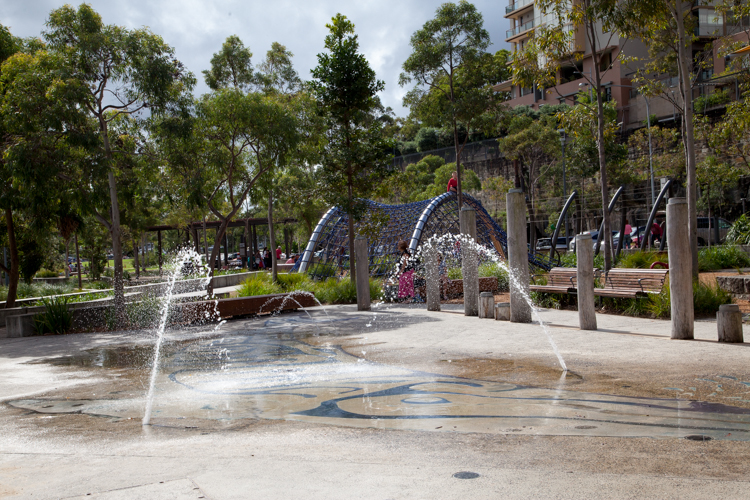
x,y
388,404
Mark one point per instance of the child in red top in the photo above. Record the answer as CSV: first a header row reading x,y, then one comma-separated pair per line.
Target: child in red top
x,y
453,183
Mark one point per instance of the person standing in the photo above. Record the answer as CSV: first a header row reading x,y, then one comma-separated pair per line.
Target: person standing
x,y
627,240
278,253
655,233
453,183
266,258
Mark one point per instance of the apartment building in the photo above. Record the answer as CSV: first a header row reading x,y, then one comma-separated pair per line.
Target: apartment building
x,y
524,17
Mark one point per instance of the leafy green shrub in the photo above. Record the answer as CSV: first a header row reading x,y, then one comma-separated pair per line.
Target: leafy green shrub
x,y
56,318
376,289
490,269
259,284
569,260
98,285
722,257
455,273
710,100
46,273
739,233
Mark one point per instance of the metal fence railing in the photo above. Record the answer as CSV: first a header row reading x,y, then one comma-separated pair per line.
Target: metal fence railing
x,y
473,151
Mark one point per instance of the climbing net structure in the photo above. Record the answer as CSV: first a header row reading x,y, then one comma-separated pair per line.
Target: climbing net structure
x,y
327,252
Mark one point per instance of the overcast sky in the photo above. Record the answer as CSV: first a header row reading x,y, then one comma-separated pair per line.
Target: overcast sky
x,y
196,29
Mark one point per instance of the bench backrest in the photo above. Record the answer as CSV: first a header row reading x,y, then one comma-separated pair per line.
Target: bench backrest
x,y
646,280
562,276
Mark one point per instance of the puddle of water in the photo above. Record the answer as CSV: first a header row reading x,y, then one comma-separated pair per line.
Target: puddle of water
x,y
276,376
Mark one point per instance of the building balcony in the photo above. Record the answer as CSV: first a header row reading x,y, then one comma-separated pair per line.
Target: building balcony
x,y
515,6
518,30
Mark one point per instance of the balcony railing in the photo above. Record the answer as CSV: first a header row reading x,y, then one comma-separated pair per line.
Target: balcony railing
x,y
519,29
517,4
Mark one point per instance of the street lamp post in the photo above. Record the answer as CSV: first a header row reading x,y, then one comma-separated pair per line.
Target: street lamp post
x,y
650,151
563,140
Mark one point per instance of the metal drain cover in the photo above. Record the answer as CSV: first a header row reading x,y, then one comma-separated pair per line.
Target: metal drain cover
x,y
698,437
466,475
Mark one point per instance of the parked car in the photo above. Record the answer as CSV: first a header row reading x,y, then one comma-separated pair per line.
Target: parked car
x,y
594,238
706,234
544,244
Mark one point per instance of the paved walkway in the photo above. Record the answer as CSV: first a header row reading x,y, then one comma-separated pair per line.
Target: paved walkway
x,y
46,454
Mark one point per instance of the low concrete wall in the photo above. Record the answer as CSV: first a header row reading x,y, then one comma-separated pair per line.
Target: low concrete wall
x,y
182,286
95,317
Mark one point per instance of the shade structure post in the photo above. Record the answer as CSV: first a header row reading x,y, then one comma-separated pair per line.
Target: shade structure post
x,y
520,309
585,282
363,273
469,261
680,270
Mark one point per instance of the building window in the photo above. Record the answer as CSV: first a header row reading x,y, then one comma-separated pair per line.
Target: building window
x,y
605,60
570,73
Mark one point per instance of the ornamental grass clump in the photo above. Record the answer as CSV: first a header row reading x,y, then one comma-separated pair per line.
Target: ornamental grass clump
x,y
56,318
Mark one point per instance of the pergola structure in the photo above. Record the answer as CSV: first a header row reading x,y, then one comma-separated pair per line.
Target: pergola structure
x,y
250,235
328,249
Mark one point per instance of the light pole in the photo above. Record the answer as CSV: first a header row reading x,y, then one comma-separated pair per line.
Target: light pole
x,y
650,151
563,140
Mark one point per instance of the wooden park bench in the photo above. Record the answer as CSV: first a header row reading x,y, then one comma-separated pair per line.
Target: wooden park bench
x,y
631,283
559,280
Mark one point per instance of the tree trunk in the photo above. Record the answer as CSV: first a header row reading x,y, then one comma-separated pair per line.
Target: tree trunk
x,y
352,264
136,262
683,65
67,256
205,247
196,240
215,254
459,189
78,263
14,260
272,238
119,299
604,188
